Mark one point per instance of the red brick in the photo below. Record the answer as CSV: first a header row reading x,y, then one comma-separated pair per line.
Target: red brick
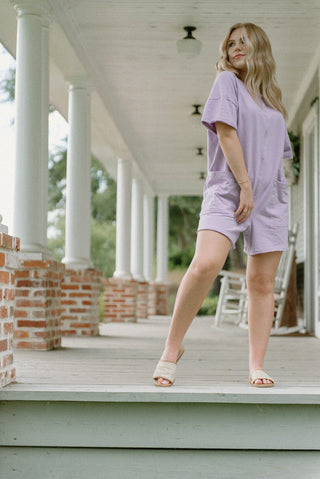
x,y
78,310
6,241
32,345
9,294
69,286
41,334
3,345
80,325
31,283
7,360
30,303
36,264
8,328
22,274
80,295
2,259
31,324
39,314
3,312
18,333
20,313
4,277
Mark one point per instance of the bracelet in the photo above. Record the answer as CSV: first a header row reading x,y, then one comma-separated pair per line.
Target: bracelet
x,y
240,182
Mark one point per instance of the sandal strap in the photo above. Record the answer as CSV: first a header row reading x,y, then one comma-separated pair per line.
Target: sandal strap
x,y
165,370
260,374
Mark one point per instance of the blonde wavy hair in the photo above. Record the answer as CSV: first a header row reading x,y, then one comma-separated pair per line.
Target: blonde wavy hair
x,y
260,78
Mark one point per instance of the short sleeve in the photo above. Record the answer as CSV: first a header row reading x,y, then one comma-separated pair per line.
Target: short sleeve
x,y
222,104
287,150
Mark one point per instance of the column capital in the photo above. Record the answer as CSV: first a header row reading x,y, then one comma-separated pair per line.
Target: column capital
x,y
79,82
33,7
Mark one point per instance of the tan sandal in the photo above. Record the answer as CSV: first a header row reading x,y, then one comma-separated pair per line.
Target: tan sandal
x,y
166,370
260,374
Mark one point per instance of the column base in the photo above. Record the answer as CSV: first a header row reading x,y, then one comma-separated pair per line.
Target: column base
x,y
9,262
38,304
80,302
120,300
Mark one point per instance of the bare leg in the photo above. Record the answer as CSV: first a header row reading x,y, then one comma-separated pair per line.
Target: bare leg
x,y
211,251
261,271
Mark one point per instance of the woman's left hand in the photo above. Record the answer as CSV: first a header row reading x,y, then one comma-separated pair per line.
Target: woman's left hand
x,y
246,202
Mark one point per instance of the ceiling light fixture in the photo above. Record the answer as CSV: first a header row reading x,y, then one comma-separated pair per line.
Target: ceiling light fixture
x,y
189,46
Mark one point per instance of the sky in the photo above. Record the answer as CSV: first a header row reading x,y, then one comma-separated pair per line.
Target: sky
x,y
57,132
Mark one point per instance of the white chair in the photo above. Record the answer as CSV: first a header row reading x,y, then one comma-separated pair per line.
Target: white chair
x,y
233,296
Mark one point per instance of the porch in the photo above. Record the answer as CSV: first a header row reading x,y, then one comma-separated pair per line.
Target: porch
x,y
90,407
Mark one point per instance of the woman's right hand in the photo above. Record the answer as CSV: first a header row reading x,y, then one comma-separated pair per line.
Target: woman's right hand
x,y
246,202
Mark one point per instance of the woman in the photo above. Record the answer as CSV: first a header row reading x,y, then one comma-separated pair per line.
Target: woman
x,y
245,191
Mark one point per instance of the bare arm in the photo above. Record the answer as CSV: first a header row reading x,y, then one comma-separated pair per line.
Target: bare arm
x,y
232,150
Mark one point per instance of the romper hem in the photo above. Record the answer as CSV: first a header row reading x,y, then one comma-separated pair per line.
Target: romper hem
x,y
268,250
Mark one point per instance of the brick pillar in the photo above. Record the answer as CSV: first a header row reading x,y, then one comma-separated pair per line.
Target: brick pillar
x,y
152,299
161,299
120,300
142,299
9,261
80,302
38,304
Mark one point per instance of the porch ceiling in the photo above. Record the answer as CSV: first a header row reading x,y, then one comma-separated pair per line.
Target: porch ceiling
x,y
144,91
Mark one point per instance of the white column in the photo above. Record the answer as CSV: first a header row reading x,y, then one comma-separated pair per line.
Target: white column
x,y
123,241
148,237
28,194
45,128
78,214
137,246
162,239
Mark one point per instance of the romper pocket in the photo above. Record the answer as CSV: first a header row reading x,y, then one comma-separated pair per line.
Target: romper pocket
x,y
221,193
278,210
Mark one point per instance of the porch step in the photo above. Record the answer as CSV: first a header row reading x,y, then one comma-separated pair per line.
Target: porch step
x,y
121,432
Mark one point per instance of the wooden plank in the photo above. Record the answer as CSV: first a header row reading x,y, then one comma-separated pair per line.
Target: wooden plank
x,y
160,425
224,393
70,463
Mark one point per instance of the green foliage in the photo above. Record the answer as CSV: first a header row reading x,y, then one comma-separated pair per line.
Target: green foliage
x,y
7,86
104,193
57,178
103,246
209,306
295,143
184,217
178,258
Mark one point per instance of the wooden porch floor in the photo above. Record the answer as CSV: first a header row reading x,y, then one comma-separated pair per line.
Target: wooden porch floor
x,y
91,407
123,357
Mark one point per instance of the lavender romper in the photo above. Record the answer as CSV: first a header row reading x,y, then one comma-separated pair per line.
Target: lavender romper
x,y
263,136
